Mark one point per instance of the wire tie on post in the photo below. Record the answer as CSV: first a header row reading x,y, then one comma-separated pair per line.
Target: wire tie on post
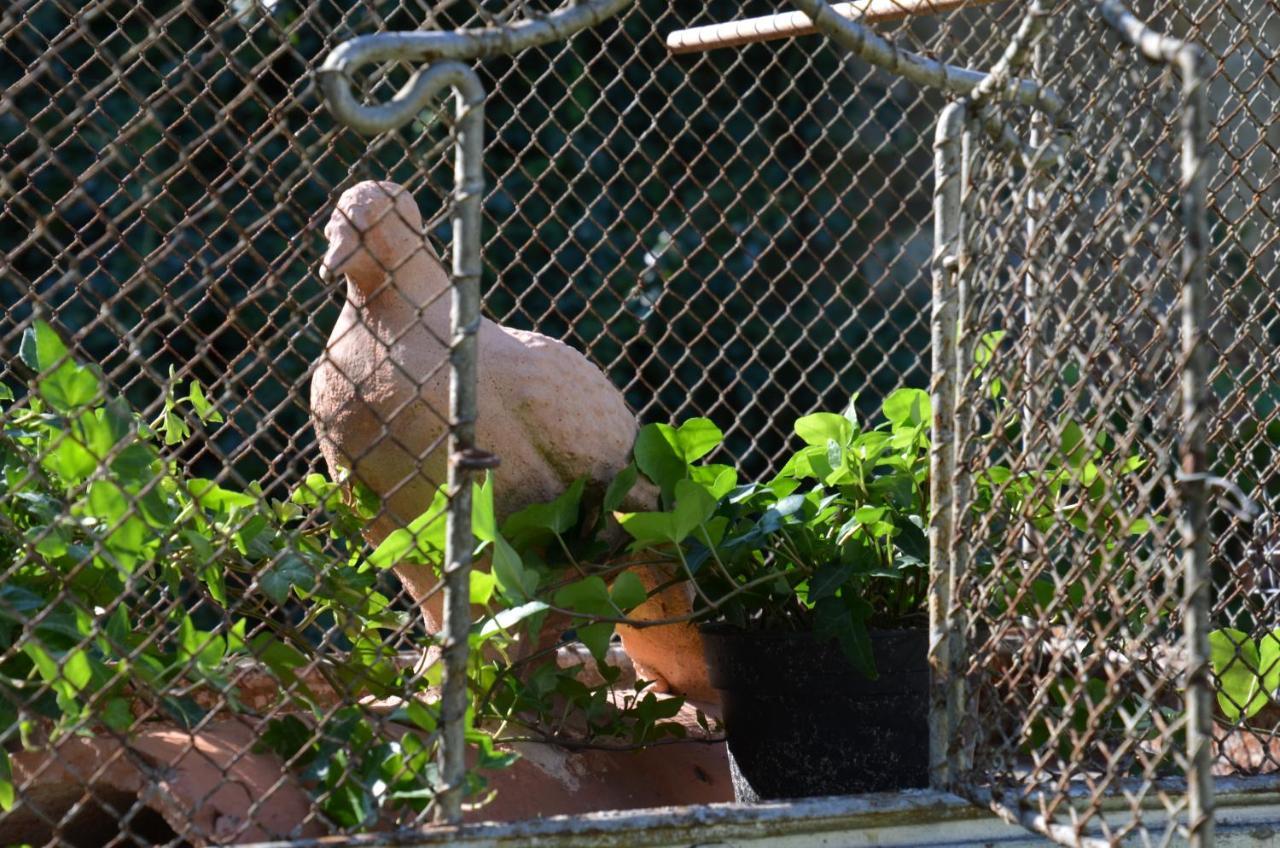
x,y
475,459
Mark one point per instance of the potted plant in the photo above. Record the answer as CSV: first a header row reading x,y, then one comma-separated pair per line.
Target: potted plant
x,y
812,588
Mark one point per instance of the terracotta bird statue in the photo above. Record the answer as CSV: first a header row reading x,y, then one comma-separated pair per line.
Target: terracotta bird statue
x,y
379,402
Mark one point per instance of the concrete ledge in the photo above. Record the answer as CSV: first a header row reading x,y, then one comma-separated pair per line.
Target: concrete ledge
x,y
1248,815
917,817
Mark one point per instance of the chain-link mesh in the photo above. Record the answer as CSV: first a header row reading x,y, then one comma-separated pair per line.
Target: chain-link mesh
x,y
1073,483
193,647
1069,416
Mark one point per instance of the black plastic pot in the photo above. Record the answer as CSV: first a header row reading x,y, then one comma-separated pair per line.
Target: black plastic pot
x,y
801,721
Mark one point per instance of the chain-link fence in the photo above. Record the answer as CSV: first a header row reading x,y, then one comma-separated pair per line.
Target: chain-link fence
x,y
201,640
1070,412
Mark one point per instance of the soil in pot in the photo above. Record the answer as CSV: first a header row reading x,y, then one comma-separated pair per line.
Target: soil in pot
x,y
801,721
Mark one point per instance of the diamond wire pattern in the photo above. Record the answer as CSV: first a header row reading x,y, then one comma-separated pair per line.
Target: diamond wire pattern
x,y
1243,327
743,235
1102,337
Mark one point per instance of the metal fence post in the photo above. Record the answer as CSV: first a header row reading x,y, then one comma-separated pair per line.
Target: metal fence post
x,y
459,541
1193,450
944,630
464,322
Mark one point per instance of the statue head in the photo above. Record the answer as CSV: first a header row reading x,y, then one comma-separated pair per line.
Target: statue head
x,y
375,228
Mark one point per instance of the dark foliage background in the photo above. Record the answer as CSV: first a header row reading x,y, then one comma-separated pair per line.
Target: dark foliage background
x,y
742,234
739,235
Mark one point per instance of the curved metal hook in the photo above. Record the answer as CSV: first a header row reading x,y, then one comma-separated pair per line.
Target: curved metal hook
x,y
921,70
432,46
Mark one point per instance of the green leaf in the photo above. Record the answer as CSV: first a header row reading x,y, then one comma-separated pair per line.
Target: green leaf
x,y
664,453
1235,660
421,541
117,715
851,409
509,570
174,428
835,459
697,437
1131,464
215,581
314,490
659,456
589,596
41,348
214,497
368,504
483,523
828,579
1074,447
44,663
508,618
289,571
620,487
8,793
203,409
50,542
628,591
868,514
694,505
648,528
70,460
719,480
482,586
558,516
912,541
421,715
106,500
235,637
206,649
822,427
596,637
69,387
286,736
1269,663
907,407
563,511
844,619
984,352
77,670
283,660
807,462
789,505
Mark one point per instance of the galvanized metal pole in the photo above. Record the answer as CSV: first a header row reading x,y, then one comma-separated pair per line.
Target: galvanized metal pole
x,y
468,191
1033,288
1193,450
944,649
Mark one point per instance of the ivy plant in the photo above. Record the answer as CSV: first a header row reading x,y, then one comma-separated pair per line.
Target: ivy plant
x,y
131,590
1247,671
835,542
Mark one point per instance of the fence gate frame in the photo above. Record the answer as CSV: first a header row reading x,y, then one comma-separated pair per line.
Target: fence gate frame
x,y
971,111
